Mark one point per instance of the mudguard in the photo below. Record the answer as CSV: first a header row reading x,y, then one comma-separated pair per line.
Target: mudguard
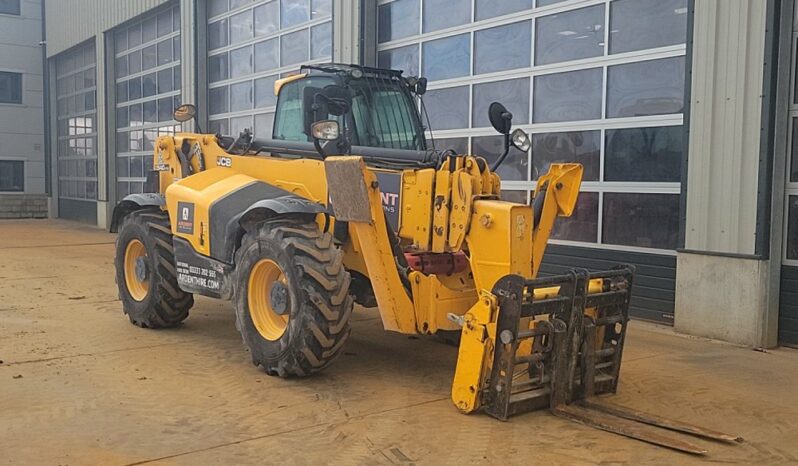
x,y
254,202
133,202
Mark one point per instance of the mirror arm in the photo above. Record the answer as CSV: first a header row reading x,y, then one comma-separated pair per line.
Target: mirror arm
x,y
504,154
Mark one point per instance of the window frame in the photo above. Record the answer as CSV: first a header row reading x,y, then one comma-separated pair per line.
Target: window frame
x,y
11,13
603,61
228,118
21,87
791,187
22,164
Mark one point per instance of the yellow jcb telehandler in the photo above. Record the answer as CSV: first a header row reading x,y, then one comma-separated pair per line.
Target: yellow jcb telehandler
x,y
345,203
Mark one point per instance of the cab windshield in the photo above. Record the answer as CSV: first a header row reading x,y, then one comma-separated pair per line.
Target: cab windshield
x,y
383,113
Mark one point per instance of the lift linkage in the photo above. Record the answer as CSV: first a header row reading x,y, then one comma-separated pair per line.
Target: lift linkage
x,y
560,350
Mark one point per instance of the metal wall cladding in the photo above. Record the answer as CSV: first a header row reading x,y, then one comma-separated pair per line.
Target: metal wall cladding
x,y
70,22
725,116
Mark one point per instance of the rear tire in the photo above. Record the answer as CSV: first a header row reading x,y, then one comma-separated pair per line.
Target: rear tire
x,y
291,297
150,294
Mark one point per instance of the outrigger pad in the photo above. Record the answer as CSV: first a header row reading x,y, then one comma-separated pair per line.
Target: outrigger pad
x,y
569,346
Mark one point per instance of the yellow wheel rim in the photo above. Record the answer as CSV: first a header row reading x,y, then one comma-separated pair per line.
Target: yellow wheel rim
x,y
136,279
267,296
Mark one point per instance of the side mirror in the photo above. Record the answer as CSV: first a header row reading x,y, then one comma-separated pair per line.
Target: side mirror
x,y
418,86
500,118
185,113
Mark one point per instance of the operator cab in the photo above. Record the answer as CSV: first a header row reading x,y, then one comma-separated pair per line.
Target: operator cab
x,y
370,107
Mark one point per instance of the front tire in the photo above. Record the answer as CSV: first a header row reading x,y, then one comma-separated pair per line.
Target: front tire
x,y
291,297
145,272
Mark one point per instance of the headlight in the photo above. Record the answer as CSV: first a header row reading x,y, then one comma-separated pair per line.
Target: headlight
x,y
521,140
326,130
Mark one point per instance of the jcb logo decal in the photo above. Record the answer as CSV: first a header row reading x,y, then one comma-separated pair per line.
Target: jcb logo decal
x,y
224,162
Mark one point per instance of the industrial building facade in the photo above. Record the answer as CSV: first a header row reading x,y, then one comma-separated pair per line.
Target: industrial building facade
x,y
681,112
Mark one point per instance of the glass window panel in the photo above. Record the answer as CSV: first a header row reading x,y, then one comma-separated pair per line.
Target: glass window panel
x,y
217,67
134,36
513,94
402,58
218,100
442,14
321,41
321,8
165,81
264,92
134,88
241,62
514,167
643,220
164,23
121,92
150,135
519,197
150,110
653,87
165,109
219,127
582,225
570,35
794,151
398,19
176,20
792,227
238,3
122,117
267,19
458,145
134,62
263,125
148,30
136,141
267,55
237,125
176,48
503,47
120,40
447,58
121,67
644,154
646,24
294,47
89,99
164,52
570,96
489,8
177,77
576,146
216,7
241,27
293,12
149,58
136,118
148,85
241,96
447,108
88,78
136,167
217,34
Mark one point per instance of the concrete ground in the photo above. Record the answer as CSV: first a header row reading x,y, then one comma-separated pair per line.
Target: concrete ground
x,y
80,385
